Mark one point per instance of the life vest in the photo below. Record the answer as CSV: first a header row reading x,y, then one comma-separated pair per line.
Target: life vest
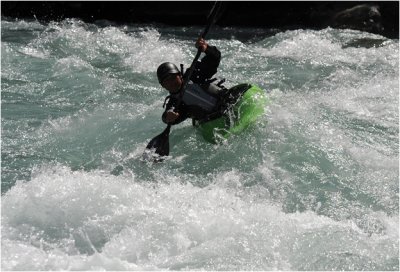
x,y
205,97
201,102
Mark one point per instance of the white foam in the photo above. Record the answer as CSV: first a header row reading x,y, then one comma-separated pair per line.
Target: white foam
x,y
35,52
58,217
71,65
227,207
325,48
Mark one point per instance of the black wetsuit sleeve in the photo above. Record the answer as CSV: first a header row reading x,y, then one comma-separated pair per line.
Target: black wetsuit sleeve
x,y
208,65
171,105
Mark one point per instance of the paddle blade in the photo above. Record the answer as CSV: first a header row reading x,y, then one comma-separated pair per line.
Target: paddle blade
x,y
160,144
158,147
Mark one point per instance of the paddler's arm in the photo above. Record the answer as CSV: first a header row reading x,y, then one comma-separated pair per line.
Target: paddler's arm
x,y
208,65
172,115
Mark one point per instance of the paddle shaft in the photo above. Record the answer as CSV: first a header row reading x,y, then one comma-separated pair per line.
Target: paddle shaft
x,y
210,21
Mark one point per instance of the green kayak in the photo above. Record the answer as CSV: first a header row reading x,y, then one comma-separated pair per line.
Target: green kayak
x,y
244,113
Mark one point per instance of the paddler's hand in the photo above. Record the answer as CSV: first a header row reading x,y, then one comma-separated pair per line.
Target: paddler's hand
x,y
171,116
201,44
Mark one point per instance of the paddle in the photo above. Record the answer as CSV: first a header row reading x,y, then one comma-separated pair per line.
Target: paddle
x,y
160,143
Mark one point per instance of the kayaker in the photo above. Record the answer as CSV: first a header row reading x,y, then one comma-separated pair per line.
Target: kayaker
x,y
204,98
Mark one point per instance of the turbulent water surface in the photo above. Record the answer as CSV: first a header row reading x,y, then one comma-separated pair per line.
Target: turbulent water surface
x,y
312,186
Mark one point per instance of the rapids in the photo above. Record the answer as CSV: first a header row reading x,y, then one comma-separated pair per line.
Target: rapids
x,y
313,186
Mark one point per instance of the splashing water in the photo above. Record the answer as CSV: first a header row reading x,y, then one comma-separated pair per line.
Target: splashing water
x,y
313,186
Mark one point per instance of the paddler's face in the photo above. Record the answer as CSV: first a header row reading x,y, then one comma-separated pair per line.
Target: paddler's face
x,y
172,83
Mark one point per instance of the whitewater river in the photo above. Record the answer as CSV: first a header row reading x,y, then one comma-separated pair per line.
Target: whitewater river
x,y
314,185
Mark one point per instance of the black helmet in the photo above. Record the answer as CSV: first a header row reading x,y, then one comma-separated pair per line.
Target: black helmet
x,y
166,69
